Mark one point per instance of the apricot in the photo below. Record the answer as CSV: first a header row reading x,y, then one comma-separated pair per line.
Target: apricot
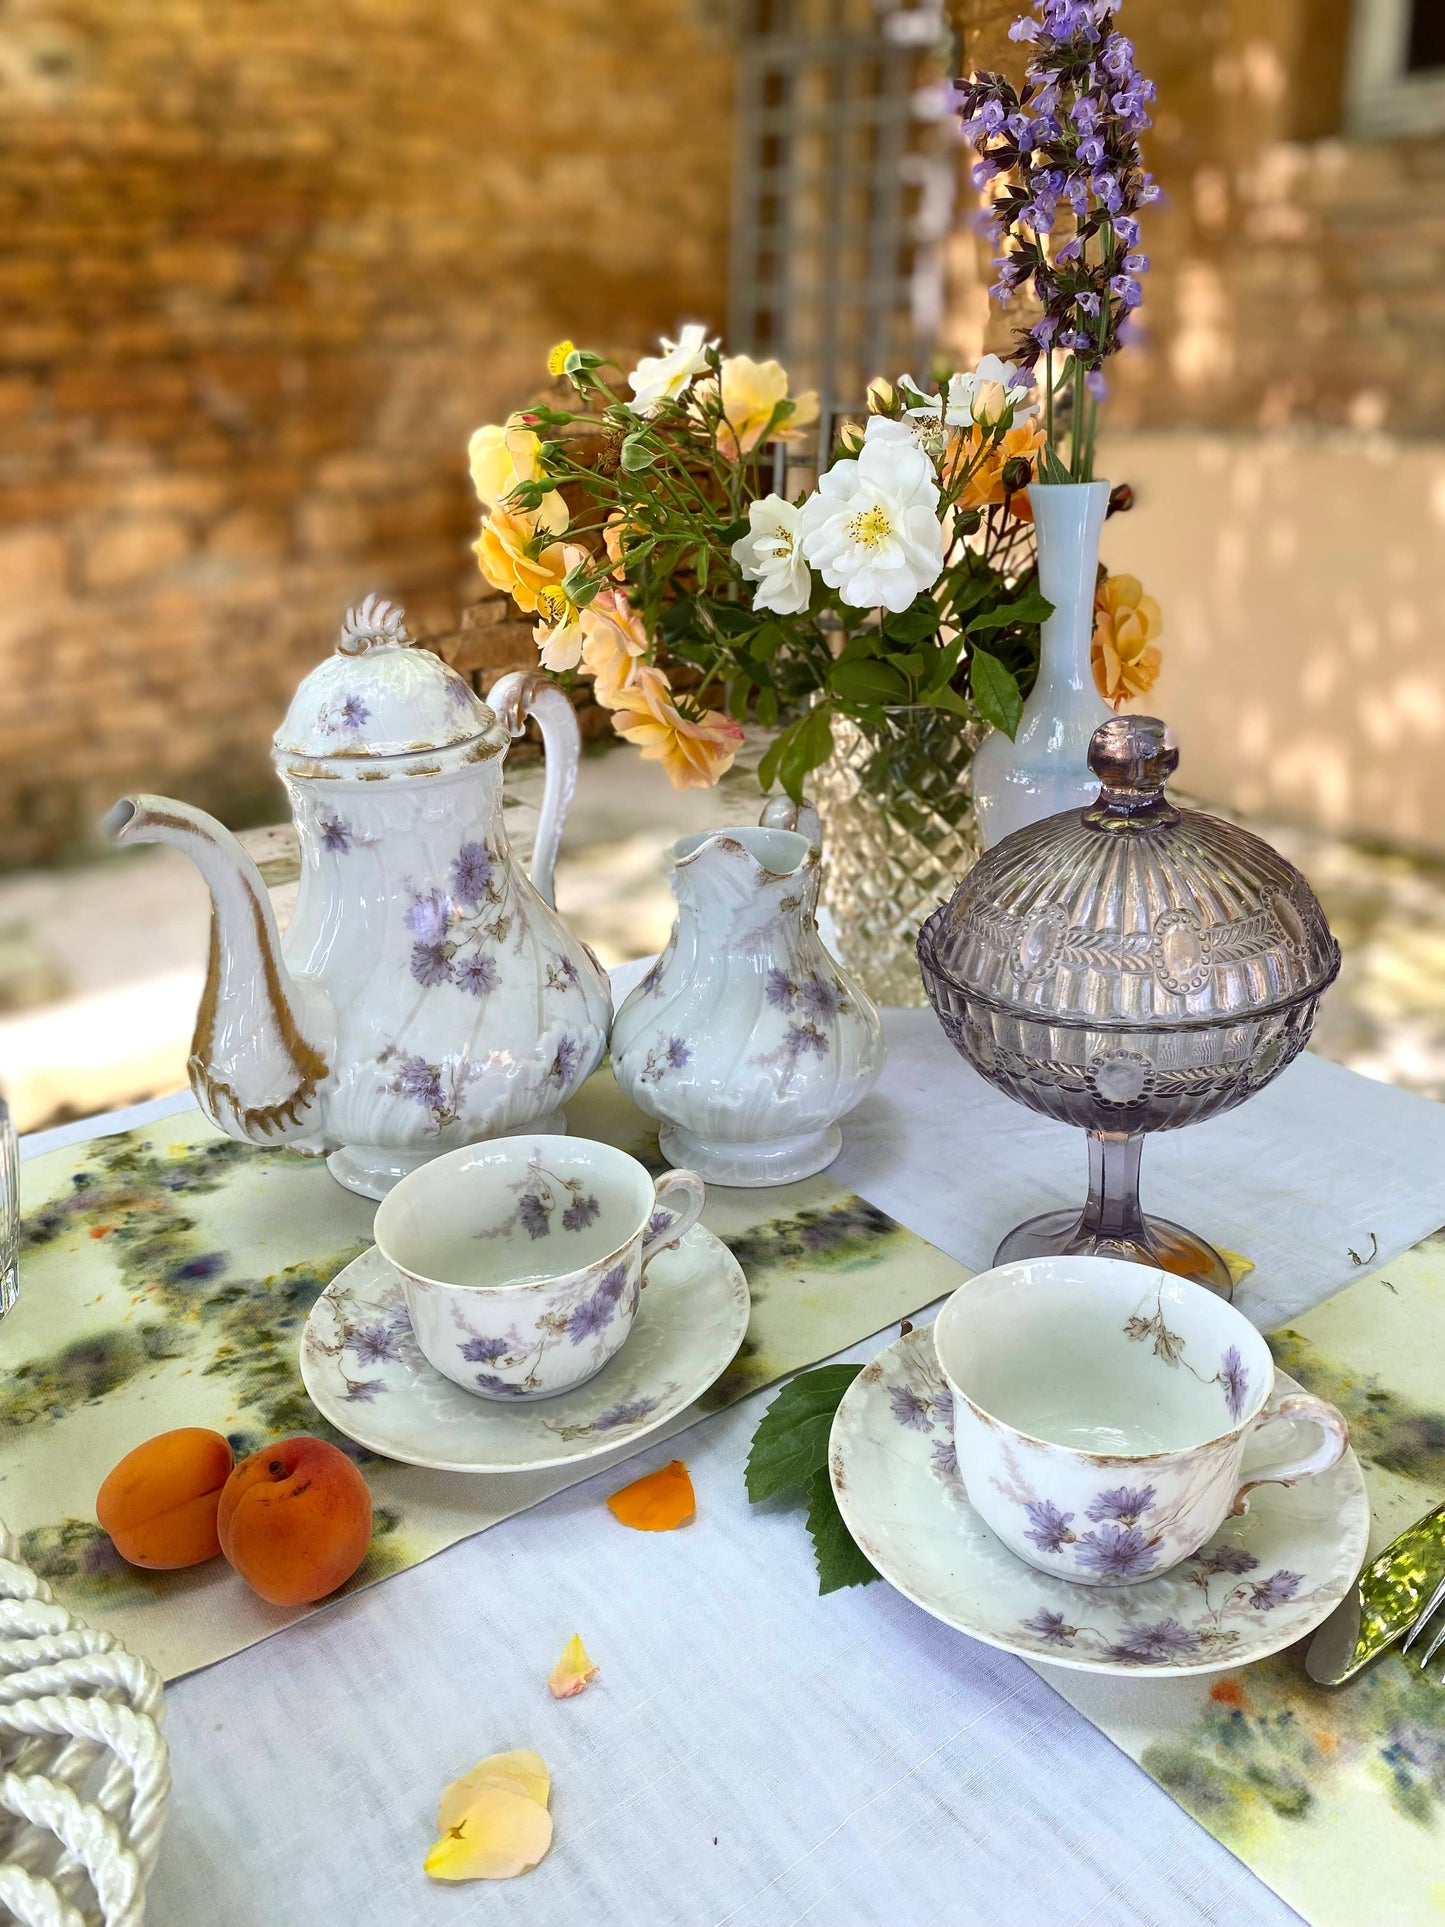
x,y
159,1504
295,1520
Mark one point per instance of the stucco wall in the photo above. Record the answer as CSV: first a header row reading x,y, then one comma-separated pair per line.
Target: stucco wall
x,y
1303,584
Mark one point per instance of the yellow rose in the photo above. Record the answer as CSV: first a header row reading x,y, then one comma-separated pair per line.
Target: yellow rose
x,y
501,552
695,746
1123,654
558,635
750,391
503,456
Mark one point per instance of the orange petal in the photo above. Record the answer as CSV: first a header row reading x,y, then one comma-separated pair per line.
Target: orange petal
x,y
497,1835
657,1503
572,1671
523,1773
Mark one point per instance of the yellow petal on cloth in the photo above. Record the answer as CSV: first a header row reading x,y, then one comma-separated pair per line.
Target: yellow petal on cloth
x,y
496,1836
522,1772
493,1823
572,1671
1238,1265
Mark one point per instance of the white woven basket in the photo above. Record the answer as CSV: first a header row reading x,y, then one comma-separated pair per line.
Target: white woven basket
x,y
84,1771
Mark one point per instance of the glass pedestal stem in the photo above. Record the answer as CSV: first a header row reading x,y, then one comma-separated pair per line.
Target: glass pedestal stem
x,y
1113,1225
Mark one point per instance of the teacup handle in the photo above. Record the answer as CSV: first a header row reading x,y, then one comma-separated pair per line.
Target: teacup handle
x,y
688,1185
1334,1437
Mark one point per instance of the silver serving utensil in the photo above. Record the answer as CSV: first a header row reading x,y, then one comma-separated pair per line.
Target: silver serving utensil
x,y
1421,1620
1384,1604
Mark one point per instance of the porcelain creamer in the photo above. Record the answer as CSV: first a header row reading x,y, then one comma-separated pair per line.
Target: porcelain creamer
x,y
746,1039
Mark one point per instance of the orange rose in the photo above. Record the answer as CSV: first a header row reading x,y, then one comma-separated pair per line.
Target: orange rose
x,y
1127,624
695,746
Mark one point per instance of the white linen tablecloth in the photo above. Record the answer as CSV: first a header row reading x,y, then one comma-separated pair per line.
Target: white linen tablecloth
x,y
752,1755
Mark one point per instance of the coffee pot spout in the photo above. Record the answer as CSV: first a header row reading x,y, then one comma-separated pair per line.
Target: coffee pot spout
x,y
261,1056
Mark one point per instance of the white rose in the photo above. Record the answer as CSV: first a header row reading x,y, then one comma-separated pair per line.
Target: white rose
x,y
983,396
660,378
872,529
770,556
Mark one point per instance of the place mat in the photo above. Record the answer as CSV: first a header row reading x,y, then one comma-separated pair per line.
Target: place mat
x,y
1334,1796
166,1275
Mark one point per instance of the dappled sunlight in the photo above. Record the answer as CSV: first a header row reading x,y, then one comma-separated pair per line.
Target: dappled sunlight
x,y
1303,667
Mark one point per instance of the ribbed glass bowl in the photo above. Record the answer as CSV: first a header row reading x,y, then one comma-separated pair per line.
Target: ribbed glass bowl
x,y
1128,968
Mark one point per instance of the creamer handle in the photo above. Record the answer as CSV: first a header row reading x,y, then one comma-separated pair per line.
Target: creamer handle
x,y
515,697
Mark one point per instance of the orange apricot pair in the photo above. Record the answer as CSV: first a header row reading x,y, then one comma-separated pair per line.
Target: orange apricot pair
x,y
294,1519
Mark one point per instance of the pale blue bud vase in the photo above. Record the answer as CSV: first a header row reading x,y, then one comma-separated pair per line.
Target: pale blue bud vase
x,y
1045,768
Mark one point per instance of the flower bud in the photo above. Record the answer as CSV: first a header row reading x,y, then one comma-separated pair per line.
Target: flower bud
x,y
557,359
883,397
850,438
1016,474
990,404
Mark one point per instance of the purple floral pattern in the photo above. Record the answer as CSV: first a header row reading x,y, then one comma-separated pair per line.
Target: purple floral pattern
x,y
345,716
673,1055
1235,1380
1118,1552
544,1197
1232,1376
811,1005
1048,1528
1125,1505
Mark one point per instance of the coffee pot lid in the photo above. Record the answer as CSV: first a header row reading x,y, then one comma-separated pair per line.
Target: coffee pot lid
x,y
1132,912
379,695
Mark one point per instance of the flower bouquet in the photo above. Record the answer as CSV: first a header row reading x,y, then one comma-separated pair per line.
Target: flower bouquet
x,y
646,518
641,528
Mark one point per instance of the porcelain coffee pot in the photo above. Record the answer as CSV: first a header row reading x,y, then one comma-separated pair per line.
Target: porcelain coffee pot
x,y
426,993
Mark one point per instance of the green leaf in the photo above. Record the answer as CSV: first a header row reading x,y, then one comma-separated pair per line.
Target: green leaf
x,y
636,455
1031,606
1052,470
841,1560
811,743
767,716
739,689
791,1442
995,692
869,682
734,532
767,642
916,624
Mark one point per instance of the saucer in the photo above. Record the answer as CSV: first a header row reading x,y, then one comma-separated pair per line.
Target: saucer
x,y
365,1372
1262,1582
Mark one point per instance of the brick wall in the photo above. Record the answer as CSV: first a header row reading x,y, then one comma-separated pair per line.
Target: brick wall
x,y
267,263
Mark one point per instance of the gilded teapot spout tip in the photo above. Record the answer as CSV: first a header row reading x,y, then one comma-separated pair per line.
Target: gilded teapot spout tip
x,y
118,819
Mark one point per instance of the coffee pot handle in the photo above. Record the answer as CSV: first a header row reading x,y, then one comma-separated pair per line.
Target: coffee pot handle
x,y
513,698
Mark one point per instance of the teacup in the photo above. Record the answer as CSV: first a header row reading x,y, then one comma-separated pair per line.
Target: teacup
x,y
1101,1412
521,1258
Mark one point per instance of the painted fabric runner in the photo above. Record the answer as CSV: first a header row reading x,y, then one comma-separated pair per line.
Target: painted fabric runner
x,y
1333,1796
166,1275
